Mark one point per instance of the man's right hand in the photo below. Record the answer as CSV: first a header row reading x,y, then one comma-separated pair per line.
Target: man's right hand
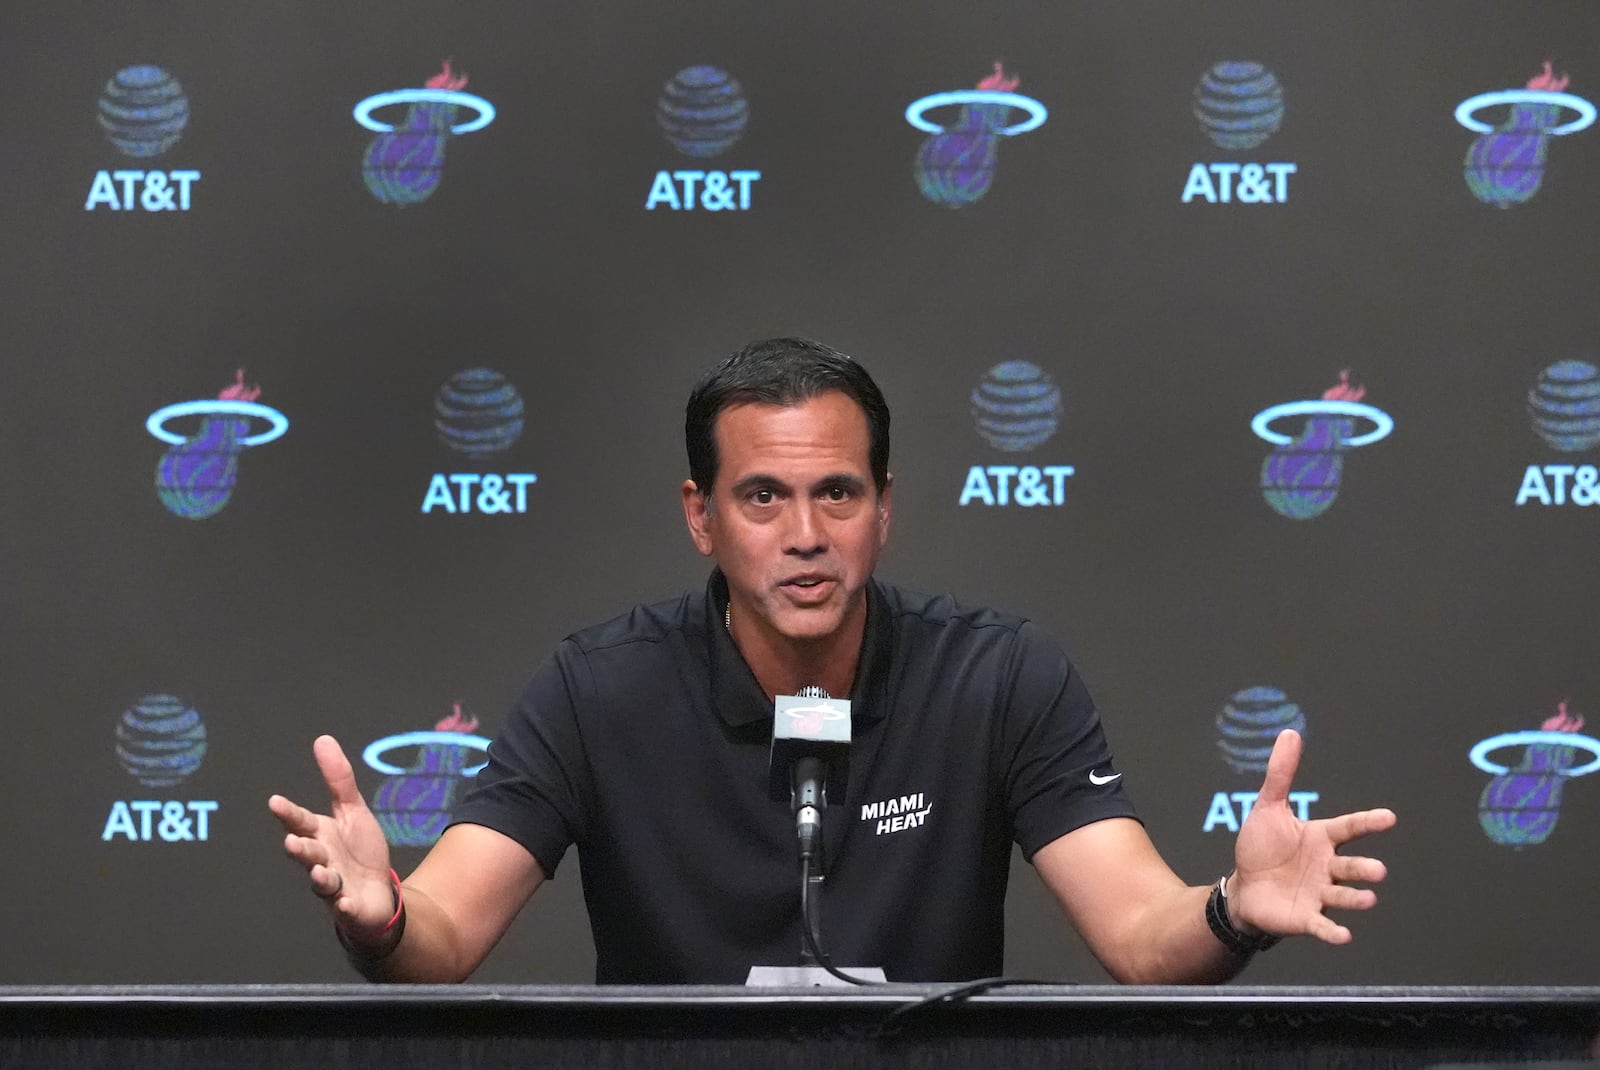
x,y
345,853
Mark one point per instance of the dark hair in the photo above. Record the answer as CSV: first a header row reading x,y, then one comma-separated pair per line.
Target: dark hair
x,y
781,371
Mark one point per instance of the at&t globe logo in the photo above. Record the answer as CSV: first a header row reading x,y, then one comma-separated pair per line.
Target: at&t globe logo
x,y
404,163
160,742
1247,727
1239,105
143,112
1564,409
702,112
478,414
955,166
1016,408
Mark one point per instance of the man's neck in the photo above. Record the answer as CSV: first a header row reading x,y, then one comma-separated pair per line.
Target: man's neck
x,y
782,666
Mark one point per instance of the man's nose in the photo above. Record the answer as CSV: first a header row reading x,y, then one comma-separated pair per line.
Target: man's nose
x,y
806,535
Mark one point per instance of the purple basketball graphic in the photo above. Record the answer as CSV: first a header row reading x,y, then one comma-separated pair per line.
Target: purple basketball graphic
x,y
956,166
1520,807
413,807
1300,479
403,166
196,476
1505,164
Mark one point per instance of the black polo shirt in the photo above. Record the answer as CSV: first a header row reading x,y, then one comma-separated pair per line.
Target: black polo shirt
x,y
644,742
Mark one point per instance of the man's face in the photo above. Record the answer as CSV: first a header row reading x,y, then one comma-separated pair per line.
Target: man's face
x,y
794,519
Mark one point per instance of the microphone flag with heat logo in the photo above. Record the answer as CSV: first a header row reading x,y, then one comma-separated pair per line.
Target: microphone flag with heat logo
x,y
806,727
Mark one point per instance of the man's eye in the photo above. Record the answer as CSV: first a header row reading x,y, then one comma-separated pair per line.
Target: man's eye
x,y
764,496
836,494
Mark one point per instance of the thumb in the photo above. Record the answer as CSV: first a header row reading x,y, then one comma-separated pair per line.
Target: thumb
x,y
337,773
1281,767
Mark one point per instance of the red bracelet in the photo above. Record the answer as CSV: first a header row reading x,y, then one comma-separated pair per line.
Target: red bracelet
x,y
399,903
395,925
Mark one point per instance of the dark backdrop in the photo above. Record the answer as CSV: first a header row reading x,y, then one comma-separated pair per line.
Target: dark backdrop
x,y
1422,612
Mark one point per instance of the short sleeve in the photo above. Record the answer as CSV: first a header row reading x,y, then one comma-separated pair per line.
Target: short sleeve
x,y
1057,770
536,786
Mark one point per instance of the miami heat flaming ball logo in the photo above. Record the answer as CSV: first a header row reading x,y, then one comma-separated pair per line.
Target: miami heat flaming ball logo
x,y
196,476
1520,805
1505,164
403,164
956,165
1302,476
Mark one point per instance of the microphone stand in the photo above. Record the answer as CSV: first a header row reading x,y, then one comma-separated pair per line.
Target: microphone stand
x,y
808,801
808,779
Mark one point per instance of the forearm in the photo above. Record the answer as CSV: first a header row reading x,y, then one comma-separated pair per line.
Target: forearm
x,y
427,951
1169,942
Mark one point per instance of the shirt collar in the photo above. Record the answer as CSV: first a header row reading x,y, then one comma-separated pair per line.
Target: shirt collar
x,y
737,696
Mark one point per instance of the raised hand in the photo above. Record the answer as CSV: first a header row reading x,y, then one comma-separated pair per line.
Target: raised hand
x,y
344,853
1288,871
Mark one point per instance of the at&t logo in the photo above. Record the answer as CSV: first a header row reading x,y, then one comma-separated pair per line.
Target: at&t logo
x,y
1247,727
478,413
1016,409
701,113
161,741
143,113
1239,105
1564,407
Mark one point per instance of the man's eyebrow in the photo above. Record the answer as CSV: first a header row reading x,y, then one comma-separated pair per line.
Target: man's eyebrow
x,y
758,479
848,480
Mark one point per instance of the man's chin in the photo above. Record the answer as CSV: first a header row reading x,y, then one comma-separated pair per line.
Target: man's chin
x,y
809,625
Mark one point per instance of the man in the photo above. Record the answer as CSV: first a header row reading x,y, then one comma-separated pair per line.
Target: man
x,y
644,741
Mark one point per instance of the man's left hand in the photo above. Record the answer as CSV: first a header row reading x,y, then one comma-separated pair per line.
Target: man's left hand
x,y
1288,871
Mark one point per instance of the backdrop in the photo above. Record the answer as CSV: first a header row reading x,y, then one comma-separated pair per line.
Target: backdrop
x,y
1249,347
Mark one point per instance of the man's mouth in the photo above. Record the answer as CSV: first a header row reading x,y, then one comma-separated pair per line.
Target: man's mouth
x,y
807,587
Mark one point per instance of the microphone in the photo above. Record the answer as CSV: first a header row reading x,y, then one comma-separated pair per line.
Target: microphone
x,y
810,746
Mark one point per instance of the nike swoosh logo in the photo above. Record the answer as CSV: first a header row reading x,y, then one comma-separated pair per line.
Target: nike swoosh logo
x,y
1097,779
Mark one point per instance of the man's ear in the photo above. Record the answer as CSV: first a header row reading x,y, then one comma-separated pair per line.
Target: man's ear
x,y
697,515
885,508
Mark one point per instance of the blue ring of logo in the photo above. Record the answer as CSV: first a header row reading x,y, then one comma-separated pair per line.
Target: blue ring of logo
x,y
279,422
1585,110
1480,751
1382,422
485,110
373,755
1036,111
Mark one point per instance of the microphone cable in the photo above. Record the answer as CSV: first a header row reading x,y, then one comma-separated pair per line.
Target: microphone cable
x,y
809,932
894,1022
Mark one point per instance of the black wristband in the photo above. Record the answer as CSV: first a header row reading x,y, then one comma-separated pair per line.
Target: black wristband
x,y
1222,926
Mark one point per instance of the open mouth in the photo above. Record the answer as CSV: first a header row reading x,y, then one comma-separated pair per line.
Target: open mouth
x,y
808,588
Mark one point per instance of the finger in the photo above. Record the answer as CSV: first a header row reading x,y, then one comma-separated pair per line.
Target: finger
x,y
1329,932
307,852
295,818
336,772
1346,827
1280,768
326,883
1351,869
1338,897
